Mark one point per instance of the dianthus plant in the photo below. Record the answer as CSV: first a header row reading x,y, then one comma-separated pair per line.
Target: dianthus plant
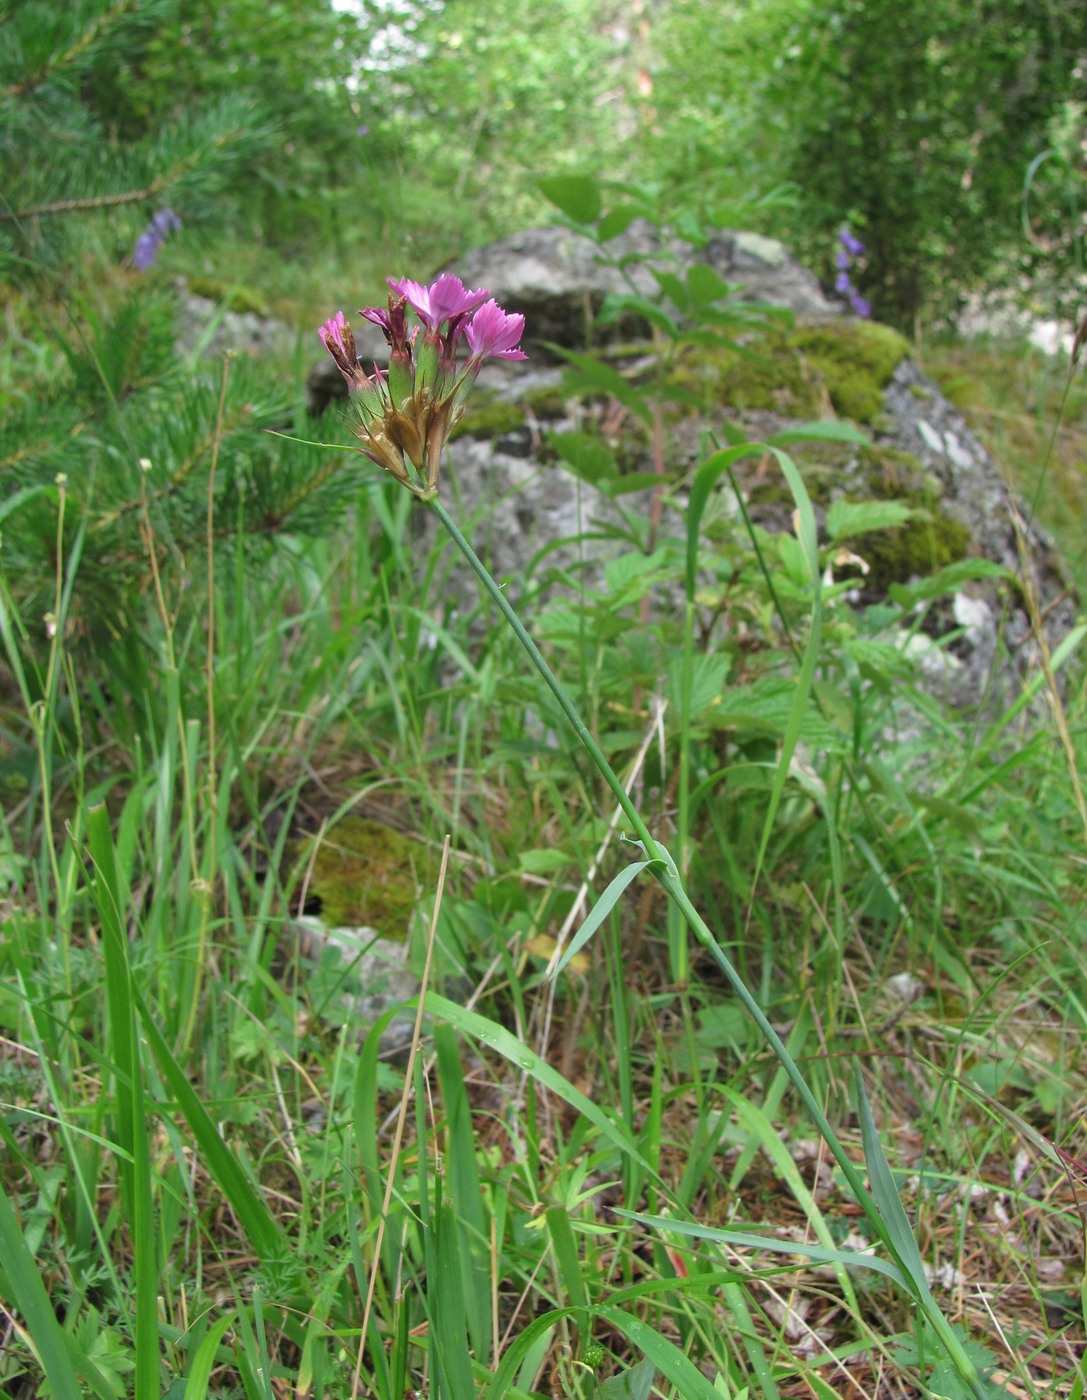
x,y
402,418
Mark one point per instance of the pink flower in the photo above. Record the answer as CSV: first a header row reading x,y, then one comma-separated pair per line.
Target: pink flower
x,y
444,300
332,335
491,333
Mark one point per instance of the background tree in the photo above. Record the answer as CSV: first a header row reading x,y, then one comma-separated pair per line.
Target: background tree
x,y
67,161
915,123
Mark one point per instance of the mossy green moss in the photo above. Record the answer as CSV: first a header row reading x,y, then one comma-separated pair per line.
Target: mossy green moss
x,y
764,376
845,365
855,360
927,543
364,874
234,298
490,420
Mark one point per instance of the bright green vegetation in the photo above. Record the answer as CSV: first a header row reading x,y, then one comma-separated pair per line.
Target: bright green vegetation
x,y
846,365
217,642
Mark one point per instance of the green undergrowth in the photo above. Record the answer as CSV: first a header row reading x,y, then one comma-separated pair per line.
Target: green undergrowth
x,y
599,1184
1028,408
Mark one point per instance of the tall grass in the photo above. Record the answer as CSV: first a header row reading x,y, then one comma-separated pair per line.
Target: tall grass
x,y
590,1181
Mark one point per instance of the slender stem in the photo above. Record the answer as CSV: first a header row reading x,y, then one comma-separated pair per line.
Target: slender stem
x,y
652,850
665,872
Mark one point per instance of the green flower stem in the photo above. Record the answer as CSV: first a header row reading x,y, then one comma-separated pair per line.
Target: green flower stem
x,y
652,850
663,868
664,871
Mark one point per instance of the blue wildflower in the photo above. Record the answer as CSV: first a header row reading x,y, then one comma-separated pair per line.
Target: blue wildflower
x,y
851,248
153,237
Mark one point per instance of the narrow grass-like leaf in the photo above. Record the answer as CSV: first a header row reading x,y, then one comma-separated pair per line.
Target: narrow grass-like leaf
x,y
808,538
564,1247
890,1206
196,1383
518,1349
109,900
759,1125
600,911
818,1254
254,1216
828,430
665,1355
28,1295
448,1323
514,1050
635,1383
885,1192
462,1175
706,478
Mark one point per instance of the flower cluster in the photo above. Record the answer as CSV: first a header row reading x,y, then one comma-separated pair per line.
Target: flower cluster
x,y
403,416
153,237
849,250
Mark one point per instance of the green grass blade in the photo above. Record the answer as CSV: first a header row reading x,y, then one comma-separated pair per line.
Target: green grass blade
x,y
818,1254
30,1298
264,1233
448,1321
600,911
665,1355
196,1383
889,1202
110,900
564,1248
462,1176
512,1049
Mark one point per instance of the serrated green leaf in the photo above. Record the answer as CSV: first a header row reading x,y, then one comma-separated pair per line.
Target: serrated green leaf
x,y
847,519
585,455
707,680
578,196
705,285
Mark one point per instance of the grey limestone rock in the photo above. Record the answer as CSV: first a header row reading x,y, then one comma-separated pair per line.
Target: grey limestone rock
x,y
559,278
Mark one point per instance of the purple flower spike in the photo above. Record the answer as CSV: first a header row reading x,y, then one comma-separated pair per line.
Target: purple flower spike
x,y
491,333
842,284
146,252
445,299
852,245
153,237
860,306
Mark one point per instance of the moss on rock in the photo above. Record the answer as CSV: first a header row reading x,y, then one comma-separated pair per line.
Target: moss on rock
x,y
926,543
930,540
763,376
855,360
363,872
844,365
490,420
234,298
